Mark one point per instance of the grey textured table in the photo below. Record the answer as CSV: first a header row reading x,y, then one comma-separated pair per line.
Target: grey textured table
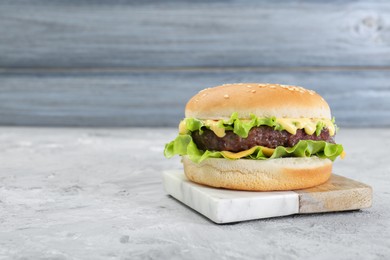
x,y
97,194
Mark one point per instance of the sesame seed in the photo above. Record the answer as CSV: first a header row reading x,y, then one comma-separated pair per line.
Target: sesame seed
x,y
253,91
226,96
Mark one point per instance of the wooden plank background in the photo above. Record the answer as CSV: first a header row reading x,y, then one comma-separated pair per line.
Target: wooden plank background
x,y
135,63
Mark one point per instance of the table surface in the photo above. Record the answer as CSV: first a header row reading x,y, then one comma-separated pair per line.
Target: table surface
x,y
97,194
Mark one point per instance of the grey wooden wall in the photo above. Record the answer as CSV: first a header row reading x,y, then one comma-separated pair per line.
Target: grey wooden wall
x,y
136,63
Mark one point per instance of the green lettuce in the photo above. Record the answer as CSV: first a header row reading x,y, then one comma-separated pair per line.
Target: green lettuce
x,y
241,127
184,145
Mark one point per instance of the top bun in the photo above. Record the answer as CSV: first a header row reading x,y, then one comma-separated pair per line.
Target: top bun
x,y
260,99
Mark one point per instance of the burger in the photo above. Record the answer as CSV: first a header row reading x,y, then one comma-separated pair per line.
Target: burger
x,y
260,137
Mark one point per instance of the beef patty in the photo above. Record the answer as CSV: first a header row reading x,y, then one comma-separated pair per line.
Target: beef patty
x,y
262,135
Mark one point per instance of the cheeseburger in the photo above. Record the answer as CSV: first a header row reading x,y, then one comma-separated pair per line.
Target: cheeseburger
x,y
260,137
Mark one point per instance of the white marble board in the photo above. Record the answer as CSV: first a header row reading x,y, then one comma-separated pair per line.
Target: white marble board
x,y
226,206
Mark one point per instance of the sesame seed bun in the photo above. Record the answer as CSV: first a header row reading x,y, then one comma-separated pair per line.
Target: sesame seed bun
x,y
262,100
259,175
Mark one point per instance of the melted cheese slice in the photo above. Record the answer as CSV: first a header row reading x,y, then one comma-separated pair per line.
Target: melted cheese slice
x,y
266,151
291,125
213,125
183,127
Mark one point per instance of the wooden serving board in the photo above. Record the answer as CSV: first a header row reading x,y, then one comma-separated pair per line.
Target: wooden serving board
x,y
225,206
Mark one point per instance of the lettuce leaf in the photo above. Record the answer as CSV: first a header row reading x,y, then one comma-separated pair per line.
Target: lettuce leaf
x,y
241,127
184,145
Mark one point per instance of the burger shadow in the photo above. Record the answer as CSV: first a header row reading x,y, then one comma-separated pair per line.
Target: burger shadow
x,y
288,218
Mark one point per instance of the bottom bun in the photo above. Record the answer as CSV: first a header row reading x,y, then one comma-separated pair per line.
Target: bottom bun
x,y
259,175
